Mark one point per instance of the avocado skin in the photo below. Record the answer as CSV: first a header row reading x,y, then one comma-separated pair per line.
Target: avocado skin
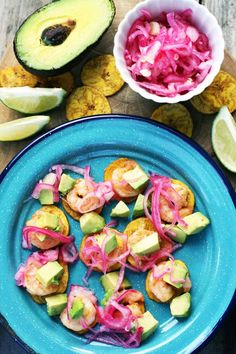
x,y
69,65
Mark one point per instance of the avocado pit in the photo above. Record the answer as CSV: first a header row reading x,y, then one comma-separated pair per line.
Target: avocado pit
x,y
57,34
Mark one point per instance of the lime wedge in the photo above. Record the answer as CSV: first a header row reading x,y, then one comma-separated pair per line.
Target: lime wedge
x,y
30,100
22,128
224,138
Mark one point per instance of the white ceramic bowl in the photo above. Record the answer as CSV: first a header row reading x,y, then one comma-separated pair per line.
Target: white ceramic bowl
x,y
201,18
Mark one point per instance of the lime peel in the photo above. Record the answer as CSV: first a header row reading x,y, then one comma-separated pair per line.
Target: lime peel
x,y
19,129
224,138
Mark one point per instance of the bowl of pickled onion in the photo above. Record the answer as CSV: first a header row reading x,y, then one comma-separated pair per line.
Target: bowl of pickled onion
x,y
169,51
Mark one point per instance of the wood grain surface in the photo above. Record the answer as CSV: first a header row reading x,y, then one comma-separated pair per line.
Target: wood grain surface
x,y
13,12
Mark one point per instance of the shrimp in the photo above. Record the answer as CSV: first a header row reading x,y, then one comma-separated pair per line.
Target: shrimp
x,y
81,198
32,284
89,315
134,300
121,187
179,193
158,289
41,241
187,285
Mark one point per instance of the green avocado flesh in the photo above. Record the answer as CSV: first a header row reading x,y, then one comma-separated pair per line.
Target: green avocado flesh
x,y
57,33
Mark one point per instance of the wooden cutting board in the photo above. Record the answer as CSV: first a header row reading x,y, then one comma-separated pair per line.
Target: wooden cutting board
x,y
126,101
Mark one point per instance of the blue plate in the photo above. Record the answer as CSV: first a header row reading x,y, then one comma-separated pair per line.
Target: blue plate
x,y
210,255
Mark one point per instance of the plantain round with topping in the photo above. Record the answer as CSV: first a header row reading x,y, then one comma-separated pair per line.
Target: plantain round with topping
x,y
163,288
62,286
138,230
48,217
115,171
91,253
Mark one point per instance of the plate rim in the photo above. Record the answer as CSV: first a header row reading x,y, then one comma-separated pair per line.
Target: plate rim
x,y
187,140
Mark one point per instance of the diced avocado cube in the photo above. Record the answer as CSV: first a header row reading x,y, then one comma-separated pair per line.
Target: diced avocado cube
x,y
41,237
180,305
180,235
196,222
149,324
106,297
136,178
147,245
49,272
46,197
91,223
50,178
77,309
179,272
48,220
120,211
110,244
56,304
138,207
66,183
109,281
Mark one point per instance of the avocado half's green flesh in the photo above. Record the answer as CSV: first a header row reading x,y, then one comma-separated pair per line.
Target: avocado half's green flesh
x,y
51,40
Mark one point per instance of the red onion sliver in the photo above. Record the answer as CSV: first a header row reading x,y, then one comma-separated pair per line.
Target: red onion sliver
x,y
72,168
49,233
69,253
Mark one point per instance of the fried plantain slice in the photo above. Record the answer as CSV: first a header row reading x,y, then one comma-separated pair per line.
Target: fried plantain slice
x,y
16,76
61,287
65,81
101,72
175,116
74,214
201,105
86,101
222,92
139,224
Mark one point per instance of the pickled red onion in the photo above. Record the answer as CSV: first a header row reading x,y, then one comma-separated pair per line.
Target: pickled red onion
x,y
161,186
115,316
72,168
69,252
26,243
124,339
42,186
164,55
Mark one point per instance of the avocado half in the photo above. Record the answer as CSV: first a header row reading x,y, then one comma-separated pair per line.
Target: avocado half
x,y
52,39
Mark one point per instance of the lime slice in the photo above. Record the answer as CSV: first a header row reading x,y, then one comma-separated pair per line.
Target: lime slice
x,y
30,100
22,128
224,138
